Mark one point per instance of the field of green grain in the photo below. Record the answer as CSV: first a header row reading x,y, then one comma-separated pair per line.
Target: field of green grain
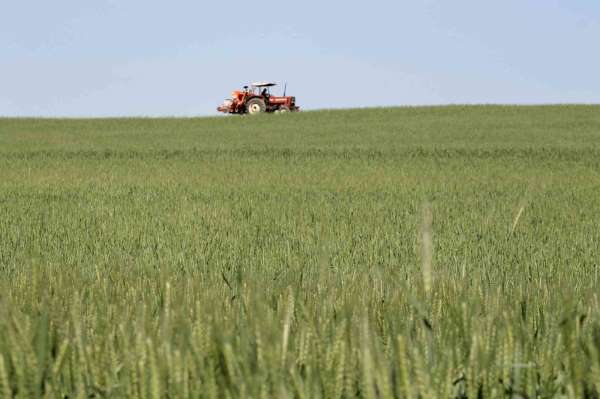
x,y
447,252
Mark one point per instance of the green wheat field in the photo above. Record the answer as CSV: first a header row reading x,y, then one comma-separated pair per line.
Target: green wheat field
x,y
429,252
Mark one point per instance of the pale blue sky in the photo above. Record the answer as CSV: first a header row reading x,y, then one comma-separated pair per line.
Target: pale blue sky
x,y
183,57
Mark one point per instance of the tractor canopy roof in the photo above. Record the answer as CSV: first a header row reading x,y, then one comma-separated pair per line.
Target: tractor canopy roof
x,y
263,84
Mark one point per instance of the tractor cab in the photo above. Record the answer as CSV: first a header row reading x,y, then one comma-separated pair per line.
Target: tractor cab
x,y
262,89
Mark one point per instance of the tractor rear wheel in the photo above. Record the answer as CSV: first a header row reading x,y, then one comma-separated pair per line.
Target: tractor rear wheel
x,y
255,106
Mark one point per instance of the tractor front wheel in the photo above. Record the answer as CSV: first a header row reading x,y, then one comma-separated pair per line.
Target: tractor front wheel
x,y
283,108
255,106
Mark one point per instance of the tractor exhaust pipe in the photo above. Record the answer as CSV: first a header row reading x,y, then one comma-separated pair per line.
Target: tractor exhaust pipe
x,y
284,89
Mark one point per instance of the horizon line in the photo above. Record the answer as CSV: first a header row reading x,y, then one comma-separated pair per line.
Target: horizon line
x,y
374,107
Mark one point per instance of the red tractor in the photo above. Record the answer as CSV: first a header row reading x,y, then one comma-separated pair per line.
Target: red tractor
x,y
257,99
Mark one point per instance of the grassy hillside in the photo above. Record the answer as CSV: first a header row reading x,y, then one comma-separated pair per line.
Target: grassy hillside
x,y
441,252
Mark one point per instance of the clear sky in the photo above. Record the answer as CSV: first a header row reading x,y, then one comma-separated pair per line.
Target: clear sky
x,y
183,57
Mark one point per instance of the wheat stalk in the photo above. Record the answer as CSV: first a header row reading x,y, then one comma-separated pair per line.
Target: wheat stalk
x,y
517,218
286,326
427,248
